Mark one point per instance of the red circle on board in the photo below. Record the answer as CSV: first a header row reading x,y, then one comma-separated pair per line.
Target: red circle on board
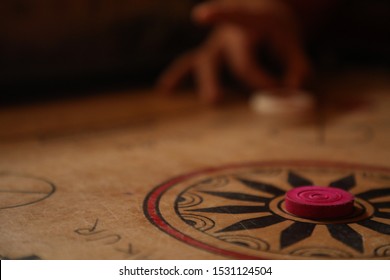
x,y
315,202
152,203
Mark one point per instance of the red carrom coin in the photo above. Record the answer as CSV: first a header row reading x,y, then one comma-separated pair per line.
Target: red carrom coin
x,y
315,202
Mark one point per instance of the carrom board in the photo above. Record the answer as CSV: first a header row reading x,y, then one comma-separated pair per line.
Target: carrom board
x,y
133,175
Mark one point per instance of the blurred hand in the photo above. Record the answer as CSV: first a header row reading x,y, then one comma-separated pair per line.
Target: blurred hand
x,y
240,27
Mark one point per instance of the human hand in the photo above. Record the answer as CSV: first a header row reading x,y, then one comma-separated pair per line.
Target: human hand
x,y
240,27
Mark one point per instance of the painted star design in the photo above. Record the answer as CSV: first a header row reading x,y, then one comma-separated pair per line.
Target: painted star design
x,y
298,230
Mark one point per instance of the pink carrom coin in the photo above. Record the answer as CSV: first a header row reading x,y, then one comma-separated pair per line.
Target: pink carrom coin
x,y
316,202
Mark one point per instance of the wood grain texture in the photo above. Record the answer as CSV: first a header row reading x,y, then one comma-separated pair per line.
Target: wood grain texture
x,y
74,174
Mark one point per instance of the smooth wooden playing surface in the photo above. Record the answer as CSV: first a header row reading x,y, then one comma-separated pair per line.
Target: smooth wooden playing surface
x,y
74,174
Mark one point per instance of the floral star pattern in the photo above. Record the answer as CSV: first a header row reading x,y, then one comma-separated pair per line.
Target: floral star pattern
x,y
244,207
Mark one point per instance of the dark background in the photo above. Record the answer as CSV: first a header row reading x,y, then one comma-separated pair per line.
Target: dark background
x,y
51,49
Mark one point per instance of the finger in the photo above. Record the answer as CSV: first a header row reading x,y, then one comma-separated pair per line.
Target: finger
x,y
211,12
243,63
292,54
206,71
172,76
214,12
297,71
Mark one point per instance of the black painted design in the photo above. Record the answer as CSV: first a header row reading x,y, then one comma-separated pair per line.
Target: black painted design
x,y
232,209
383,251
321,252
345,183
295,233
242,207
214,182
381,204
376,226
25,189
296,180
31,257
238,196
199,222
88,230
347,235
189,200
370,223
246,241
298,231
268,188
98,235
374,193
385,215
254,223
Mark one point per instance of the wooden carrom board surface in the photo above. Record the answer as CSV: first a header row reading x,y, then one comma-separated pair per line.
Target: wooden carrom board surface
x,y
132,175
